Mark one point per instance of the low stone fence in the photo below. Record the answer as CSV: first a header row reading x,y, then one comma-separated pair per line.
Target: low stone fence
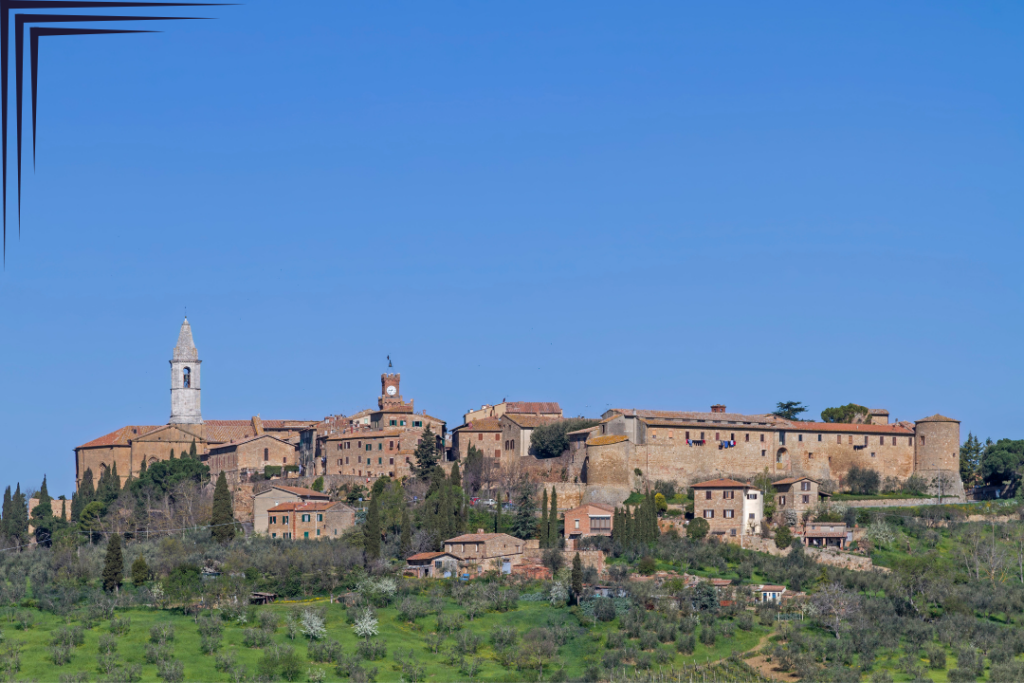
x,y
589,558
900,502
829,556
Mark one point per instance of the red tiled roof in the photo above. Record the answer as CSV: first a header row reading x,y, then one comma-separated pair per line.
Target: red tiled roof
x,y
773,589
532,407
845,427
721,582
313,506
721,484
486,424
698,416
793,480
298,491
599,506
531,421
938,418
221,448
607,440
120,437
430,556
479,538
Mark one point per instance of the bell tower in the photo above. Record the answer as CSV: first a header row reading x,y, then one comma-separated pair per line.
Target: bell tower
x,y
185,380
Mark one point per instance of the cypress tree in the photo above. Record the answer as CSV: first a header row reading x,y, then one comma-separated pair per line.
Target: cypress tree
x,y
553,520
371,531
143,468
405,542
64,510
19,515
577,577
6,513
76,507
223,520
192,454
113,568
172,455
545,533
44,494
456,478
87,490
115,483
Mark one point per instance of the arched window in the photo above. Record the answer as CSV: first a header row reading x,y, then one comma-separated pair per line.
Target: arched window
x,y
186,378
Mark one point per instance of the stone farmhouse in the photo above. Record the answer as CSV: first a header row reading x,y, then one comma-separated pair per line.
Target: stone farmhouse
x,y
479,551
276,495
693,446
797,493
731,508
309,520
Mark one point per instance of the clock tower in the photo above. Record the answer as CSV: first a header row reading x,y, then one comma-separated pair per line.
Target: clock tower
x,y
390,396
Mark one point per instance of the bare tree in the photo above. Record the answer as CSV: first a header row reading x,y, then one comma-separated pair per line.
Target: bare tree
x,y
942,483
835,606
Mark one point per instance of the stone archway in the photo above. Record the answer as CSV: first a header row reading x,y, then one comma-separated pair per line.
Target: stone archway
x,y
781,456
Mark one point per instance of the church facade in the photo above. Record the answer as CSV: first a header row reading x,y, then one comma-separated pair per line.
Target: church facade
x,y
128,447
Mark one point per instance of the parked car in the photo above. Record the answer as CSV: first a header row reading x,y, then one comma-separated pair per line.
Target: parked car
x,y
490,502
474,500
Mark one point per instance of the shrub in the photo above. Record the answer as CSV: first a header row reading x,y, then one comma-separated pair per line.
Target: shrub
x,y
644,660
646,566
324,651
77,677
268,621
666,632
708,635
60,654
863,480
504,636
316,674
108,643
157,653
663,656
208,644
256,637
604,609
120,625
161,634
936,657
171,671
412,609
279,663
23,621
372,650
783,537
611,659
648,640
224,662
686,643
449,623
698,529
467,642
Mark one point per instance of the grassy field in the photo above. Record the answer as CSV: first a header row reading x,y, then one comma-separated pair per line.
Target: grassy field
x,y
401,638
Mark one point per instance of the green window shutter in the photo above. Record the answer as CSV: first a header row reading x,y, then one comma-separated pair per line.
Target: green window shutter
x,y
306,534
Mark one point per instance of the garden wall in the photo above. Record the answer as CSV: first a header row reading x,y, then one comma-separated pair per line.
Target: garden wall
x,y
900,502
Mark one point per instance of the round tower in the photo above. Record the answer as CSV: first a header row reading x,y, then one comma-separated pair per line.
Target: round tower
x,y
185,408
937,451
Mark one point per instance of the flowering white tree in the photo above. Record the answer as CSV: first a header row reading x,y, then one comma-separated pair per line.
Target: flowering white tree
x,y
559,592
366,625
313,626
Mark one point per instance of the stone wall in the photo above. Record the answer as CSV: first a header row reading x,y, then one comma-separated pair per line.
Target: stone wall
x,y
569,495
900,502
589,558
830,557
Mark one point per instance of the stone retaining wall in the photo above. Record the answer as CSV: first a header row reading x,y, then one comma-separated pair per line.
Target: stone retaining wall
x,y
830,557
900,502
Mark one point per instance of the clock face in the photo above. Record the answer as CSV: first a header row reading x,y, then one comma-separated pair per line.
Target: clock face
x,y
392,390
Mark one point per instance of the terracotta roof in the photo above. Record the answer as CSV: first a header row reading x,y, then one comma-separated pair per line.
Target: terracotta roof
x,y
938,418
708,424
531,421
586,430
120,436
308,493
845,428
312,505
430,556
486,424
599,506
721,582
721,484
607,439
774,589
532,407
793,480
696,415
222,448
479,538
818,533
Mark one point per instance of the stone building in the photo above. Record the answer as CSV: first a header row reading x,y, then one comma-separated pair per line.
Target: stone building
x,y
593,519
825,535
481,550
309,520
250,455
688,446
545,409
731,508
516,429
797,493
129,446
276,495
386,447
484,434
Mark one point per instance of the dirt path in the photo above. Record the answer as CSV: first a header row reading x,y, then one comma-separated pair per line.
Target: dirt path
x,y
767,669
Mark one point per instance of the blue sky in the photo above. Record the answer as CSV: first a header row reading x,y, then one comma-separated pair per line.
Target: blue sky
x,y
664,206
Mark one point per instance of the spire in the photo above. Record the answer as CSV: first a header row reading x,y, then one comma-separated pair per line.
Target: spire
x,y
186,349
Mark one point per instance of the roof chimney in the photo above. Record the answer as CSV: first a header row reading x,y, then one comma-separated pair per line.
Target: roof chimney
x,y
718,408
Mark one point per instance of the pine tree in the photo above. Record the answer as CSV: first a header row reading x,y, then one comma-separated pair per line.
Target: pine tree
x,y
577,577
371,530
553,520
524,524
192,454
113,568
426,455
405,541
223,520
970,460
545,533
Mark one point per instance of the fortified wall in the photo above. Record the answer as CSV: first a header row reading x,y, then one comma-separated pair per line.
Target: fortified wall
x,y
686,447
